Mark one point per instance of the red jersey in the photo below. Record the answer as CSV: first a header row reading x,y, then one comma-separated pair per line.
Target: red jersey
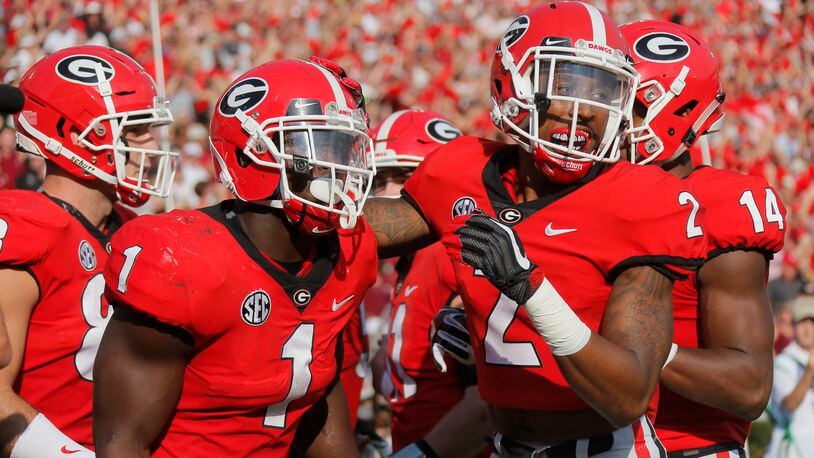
x,y
354,360
743,213
265,340
419,394
582,237
65,253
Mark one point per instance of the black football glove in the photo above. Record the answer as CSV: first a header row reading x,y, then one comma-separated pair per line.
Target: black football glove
x,y
448,334
496,251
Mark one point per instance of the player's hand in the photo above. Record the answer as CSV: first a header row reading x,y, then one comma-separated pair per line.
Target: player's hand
x,y
448,334
496,251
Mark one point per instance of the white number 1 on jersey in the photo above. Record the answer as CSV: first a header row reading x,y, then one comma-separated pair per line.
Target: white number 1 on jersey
x,y
299,349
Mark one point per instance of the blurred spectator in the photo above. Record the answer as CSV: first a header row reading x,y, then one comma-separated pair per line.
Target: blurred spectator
x,y
11,163
792,403
33,174
788,286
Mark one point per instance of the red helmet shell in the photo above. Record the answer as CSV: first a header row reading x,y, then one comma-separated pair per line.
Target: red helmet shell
x,y
406,137
680,89
62,97
557,31
262,93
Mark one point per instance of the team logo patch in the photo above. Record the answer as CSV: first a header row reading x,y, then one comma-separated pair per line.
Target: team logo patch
x,y
442,131
256,308
661,47
81,69
510,216
464,206
301,297
243,96
515,31
87,257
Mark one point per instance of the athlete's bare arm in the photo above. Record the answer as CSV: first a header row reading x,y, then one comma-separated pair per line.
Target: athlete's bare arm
x,y
138,377
617,371
733,372
19,294
463,430
5,344
399,228
336,437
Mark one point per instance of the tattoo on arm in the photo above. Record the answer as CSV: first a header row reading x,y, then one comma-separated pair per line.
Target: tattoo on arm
x,y
639,313
399,228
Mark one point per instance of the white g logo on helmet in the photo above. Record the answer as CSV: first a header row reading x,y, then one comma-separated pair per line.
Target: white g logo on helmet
x,y
243,96
81,69
442,131
661,47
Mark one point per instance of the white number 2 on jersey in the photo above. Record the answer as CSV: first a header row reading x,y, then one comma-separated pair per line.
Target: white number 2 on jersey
x,y
299,349
497,350
773,214
3,231
92,312
693,229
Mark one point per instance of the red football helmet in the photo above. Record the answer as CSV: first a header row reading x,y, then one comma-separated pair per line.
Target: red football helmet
x,y
293,125
679,91
406,137
571,54
96,93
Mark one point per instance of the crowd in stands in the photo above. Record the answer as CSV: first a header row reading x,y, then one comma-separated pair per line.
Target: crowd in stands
x,y
436,54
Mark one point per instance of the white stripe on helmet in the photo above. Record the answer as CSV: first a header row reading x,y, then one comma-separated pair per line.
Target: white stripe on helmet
x,y
339,96
384,131
597,23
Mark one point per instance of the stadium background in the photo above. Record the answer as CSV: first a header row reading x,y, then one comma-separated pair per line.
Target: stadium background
x,y
436,54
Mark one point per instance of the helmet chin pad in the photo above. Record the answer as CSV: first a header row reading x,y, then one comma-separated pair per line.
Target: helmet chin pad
x,y
560,171
320,188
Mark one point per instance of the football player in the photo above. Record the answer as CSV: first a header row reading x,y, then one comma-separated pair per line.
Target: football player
x,y
719,375
419,395
88,112
228,318
568,255
355,353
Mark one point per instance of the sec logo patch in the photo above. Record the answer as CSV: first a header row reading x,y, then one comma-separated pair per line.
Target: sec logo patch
x,y
87,256
256,308
464,206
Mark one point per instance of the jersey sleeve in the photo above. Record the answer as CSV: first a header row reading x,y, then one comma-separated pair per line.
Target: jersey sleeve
x,y
28,231
145,272
662,228
743,213
440,179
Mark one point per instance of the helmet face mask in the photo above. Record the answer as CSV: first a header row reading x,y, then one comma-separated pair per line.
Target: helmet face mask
x,y
311,154
109,93
556,78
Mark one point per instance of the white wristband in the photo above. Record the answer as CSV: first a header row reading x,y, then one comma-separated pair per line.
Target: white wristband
x,y
560,327
41,439
671,355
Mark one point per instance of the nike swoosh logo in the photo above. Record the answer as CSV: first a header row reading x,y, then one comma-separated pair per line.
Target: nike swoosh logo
x,y
409,290
66,451
300,104
551,232
554,42
317,230
338,305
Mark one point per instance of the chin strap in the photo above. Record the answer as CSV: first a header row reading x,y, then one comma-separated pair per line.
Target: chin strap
x,y
348,220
